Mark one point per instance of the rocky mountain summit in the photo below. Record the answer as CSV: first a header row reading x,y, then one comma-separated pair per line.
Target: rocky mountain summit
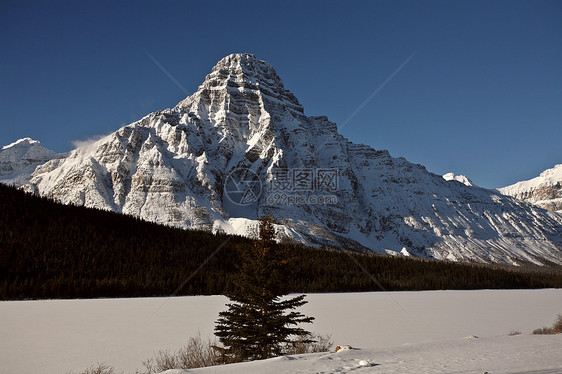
x,y
544,191
242,147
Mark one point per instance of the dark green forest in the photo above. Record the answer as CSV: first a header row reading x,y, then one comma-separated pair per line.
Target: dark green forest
x,y
48,250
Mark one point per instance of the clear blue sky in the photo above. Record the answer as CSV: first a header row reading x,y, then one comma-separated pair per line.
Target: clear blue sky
x,y
482,96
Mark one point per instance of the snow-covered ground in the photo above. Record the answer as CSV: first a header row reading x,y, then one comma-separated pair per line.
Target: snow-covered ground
x,y
511,354
399,332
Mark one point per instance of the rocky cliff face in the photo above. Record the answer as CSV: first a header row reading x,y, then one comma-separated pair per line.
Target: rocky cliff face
x,y
241,147
544,191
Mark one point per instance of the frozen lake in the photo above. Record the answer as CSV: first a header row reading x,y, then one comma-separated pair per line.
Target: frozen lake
x,y
57,336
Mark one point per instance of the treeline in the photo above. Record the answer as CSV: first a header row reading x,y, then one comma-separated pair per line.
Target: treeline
x,y
48,250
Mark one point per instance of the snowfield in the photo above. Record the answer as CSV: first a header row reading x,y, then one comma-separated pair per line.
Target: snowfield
x,y
398,332
517,354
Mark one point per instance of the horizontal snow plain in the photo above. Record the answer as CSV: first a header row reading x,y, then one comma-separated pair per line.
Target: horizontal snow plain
x,y
397,332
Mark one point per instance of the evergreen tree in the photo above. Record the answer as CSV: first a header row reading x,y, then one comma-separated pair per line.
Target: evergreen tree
x,y
258,324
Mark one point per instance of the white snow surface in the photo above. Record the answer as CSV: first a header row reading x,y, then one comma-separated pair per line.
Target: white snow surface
x,y
459,178
170,167
25,142
551,176
19,159
398,332
544,191
517,354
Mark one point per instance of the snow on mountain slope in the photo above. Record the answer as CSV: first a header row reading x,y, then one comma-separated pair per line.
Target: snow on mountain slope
x,y
459,178
19,159
174,166
544,191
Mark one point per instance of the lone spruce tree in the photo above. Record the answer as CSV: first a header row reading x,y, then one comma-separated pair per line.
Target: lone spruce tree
x,y
258,324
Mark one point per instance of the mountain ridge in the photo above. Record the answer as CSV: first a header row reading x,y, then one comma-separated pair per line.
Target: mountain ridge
x,y
544,190
19,159
173,167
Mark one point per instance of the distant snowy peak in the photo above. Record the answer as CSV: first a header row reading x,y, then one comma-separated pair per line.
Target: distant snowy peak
x,y
459,178
549,177
22,143
19,159
544,191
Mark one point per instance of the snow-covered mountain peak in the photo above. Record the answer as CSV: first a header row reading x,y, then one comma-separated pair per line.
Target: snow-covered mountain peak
x,y
544,190
22,143
459,178
20,158
240,82
248,65
548,177
24,149
177,167
553,175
